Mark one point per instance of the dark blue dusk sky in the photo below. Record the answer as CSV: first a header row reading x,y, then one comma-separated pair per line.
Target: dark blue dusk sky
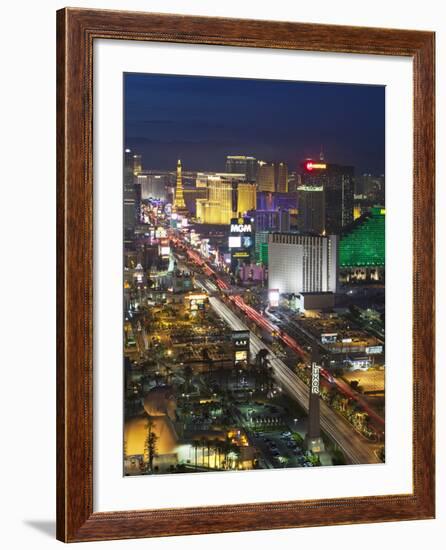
x,y
203,119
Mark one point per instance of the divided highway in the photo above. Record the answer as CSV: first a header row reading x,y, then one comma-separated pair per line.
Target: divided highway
x,y
355,447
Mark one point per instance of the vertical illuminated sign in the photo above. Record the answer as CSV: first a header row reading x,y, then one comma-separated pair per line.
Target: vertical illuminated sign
x,y
315,386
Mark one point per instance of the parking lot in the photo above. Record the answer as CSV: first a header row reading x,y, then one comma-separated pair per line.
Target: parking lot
x,y
281,450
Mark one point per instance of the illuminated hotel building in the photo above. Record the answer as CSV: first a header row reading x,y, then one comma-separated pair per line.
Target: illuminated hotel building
x,y
218,207
241,164
246,197
281,177
221,192
311,209
338,184
228,194
207,211
302,263
205,179
153,186
266,176
190,198
362,248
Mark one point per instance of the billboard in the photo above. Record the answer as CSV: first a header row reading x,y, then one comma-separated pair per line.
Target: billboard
x,y
240,254
164,248
374,350
329,338
240,344
240,338
359,363
273,297
240,240
247,241
235,242
241,355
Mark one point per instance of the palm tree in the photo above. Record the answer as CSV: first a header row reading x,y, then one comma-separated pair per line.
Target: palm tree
x,y
168,373
150,444
207,358
195,445
226,447
215,444
261,357
203,447
187,373
235,454
208,446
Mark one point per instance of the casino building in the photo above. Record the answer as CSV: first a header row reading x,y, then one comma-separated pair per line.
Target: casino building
x,y
362,248
302,263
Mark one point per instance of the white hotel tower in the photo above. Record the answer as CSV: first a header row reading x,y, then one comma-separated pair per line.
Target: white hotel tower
x,y
302,263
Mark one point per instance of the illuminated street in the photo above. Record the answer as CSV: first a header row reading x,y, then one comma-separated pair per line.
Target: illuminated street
x,y
253,305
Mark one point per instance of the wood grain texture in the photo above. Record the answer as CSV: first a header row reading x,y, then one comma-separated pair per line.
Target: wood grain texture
x,y
76,31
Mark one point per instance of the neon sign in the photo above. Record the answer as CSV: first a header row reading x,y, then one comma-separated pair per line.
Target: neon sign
x,y
310,165
315,378
241,228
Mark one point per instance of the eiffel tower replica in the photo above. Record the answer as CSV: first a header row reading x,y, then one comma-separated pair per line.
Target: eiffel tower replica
x,y
179,205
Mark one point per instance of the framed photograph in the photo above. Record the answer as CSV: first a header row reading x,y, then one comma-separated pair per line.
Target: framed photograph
x,y
245,275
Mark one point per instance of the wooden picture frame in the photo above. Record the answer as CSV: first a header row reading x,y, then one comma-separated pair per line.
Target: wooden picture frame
x,y
77,29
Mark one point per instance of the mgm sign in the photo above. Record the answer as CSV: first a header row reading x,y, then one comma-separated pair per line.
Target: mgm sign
x,y
240,346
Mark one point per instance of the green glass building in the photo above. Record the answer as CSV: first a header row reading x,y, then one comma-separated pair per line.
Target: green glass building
x,y
363,244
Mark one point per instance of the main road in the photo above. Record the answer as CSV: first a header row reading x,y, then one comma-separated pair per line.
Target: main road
x,y
293,328
355,447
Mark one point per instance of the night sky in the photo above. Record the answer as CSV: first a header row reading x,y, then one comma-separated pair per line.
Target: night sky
x,y
203,119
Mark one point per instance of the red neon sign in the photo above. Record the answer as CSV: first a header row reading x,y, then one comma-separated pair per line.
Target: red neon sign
x,y
310,165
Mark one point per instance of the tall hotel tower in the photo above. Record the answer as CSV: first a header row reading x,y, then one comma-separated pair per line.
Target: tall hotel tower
x,y
337,184
303,262
178,202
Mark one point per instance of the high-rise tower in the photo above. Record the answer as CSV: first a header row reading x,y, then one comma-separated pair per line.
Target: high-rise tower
x,y
338,185
178,202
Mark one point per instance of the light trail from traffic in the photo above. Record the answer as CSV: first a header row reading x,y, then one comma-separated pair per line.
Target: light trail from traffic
x,y
267,325
354,446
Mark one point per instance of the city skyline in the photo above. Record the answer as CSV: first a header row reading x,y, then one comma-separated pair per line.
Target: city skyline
x,y
254,286
203,119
